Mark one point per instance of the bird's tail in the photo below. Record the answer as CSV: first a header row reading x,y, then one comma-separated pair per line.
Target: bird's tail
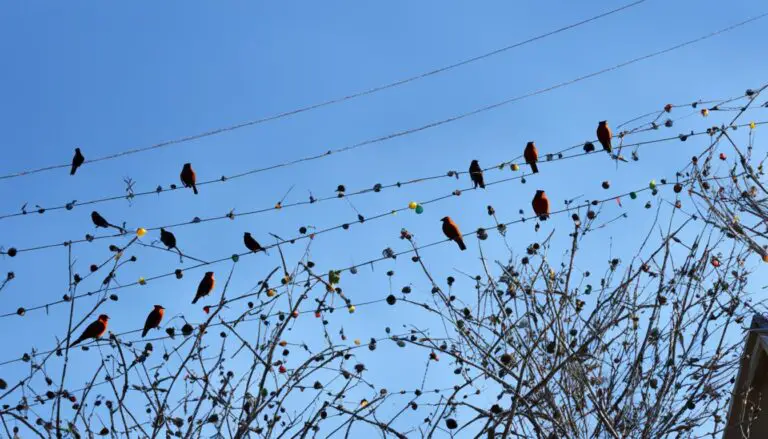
x,y
144,332
75,342
482,185
194,188
74,169
609,149
122,230
534,168
460,241
194,301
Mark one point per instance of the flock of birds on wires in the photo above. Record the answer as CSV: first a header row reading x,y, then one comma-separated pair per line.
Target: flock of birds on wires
x,y
540,205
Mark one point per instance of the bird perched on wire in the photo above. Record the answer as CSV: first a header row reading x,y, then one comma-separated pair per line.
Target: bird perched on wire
x,y
205,287
188,177
94,330
541,205
531,155
604,136
251,244
100,221
77,161
169,240
476,174
451,231
153,319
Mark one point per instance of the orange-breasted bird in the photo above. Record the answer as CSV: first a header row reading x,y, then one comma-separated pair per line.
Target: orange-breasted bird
x,y
251,244
77,161
531,155
94,330
476,174
205,287
540,205
451,230
100,221
188,177
153,319
604,136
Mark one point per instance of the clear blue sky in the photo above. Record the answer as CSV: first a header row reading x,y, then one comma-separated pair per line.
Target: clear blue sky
x,y
112,77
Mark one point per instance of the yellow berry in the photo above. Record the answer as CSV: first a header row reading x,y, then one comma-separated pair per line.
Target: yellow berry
x,y
142,281
271,293
357,341
413,205
351,309
141,231
752,125
515,167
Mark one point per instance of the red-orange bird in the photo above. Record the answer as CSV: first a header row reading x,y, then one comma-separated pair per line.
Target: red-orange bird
x,y
451,230
604,136
531,155
205,287
541,205
476,174
188,177
153,319
77,161
94,330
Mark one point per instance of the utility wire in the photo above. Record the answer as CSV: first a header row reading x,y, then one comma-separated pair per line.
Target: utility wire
x,y
549,157
160,190
437,123
331,101
235,257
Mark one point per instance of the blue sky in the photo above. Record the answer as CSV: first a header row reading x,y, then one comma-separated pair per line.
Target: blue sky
x,y
112,77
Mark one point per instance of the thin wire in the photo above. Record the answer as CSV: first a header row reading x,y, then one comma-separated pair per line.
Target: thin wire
x,y
369,262
232,215
332,101
159,190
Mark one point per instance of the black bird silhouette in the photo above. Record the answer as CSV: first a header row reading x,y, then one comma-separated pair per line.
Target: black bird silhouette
x,y
476,174
77,161
251,244
188,177
169,240
100,221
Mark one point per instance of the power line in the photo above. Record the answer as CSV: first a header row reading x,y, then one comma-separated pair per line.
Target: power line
x,y
334,100
451,174
235,257
427,126
160,190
